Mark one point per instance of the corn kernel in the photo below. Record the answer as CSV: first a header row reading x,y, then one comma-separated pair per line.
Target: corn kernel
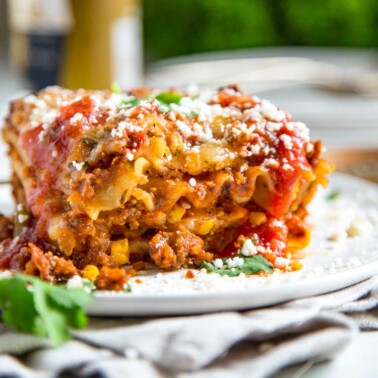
x,y
205,226
256,218
90,272
296,265
176,214
120,251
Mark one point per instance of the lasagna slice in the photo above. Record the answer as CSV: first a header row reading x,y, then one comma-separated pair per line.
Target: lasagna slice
x,y
103,180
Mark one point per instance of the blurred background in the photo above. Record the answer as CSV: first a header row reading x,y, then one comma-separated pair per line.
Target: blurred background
x,y
315,58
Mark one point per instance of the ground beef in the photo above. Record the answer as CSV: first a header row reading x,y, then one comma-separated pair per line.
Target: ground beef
x,y
172,250
6,228
49,267
113,278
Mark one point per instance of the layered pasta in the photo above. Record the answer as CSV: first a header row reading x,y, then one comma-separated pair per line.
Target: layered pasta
x,y
106,181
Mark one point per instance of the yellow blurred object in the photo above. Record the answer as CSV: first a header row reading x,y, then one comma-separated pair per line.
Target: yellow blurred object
x,y
105,43
90,272
120,251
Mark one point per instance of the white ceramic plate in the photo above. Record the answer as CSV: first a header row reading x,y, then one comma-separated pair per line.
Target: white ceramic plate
x,y
332,261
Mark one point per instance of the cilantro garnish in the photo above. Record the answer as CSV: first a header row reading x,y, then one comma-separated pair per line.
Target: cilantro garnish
x,y
115,88
164,100
251,265
333,195
34,306
132,102
169,98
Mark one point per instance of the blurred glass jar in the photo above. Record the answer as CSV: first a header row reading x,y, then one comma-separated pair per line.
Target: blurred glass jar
x,y
37,32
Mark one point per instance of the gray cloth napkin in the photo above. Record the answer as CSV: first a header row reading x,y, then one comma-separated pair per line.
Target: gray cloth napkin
x,y
254,343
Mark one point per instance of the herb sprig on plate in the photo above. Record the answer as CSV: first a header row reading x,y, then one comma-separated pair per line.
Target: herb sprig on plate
x,y
333,195
31,305
233,267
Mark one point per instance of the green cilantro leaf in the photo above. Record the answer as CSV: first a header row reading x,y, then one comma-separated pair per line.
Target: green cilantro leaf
x,y
255,264
132,102
115,88
333,195
34,306
251,265
169,98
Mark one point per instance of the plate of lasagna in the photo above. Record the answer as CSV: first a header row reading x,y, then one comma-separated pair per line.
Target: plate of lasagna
x,y
176,202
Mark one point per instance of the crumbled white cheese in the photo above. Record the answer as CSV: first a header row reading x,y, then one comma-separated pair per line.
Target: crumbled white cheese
x,y
22,218
185,130
75,282
251,115
76,118
271,111
192,181
300,129
273,126
231,263
30,99
255,149
122,126
238,261
287,167
281,263
266,150
248,249
78,166
271,163
218,263
234,262
287,141
130,156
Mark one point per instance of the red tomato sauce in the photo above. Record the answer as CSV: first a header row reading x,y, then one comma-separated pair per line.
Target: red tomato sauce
x,y
286,179
272,234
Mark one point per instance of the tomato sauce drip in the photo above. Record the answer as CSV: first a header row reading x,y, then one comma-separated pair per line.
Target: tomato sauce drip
x,y
272,234
286,179
49,149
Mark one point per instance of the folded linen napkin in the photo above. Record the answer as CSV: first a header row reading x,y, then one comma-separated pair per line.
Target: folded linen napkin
x,y
254,343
